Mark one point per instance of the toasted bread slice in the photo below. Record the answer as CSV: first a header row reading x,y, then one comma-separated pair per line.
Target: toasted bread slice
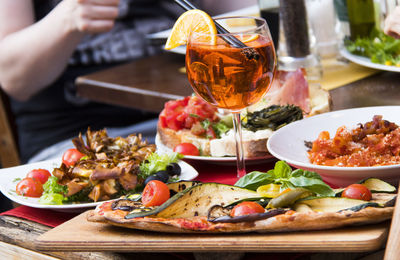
x,y
254,143
171,138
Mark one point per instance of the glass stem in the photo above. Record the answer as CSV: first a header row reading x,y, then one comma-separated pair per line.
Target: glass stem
x,y
237,126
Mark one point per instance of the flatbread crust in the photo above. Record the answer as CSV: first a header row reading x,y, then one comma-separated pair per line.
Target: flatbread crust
x,y
290,221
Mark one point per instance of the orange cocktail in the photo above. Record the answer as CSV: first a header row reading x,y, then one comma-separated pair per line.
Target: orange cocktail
x,y
232,74
225,77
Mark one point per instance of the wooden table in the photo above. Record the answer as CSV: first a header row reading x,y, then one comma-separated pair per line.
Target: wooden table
x,y
17,238
147,84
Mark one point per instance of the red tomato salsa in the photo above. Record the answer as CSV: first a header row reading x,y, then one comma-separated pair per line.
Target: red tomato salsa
x,y
373,144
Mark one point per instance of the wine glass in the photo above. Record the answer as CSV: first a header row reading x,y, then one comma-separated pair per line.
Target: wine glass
x,y
234,71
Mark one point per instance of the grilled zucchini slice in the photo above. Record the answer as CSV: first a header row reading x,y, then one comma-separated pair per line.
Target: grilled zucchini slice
x,y
197,200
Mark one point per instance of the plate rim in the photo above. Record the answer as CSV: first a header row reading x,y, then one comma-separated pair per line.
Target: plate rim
x,y
364,61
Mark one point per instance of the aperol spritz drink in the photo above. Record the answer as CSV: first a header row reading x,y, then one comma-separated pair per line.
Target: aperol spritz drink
x,y
226,78
229,76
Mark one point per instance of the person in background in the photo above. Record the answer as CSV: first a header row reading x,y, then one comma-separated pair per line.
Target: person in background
x,y
46,44
392,23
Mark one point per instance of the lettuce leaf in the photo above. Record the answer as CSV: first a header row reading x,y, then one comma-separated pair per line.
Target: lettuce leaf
x,y
53,193
157,162
379,47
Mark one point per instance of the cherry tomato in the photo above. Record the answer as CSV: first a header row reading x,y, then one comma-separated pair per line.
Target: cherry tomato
x,y
155,193
187,149
357,191
39,174
71,156
246,208
29,187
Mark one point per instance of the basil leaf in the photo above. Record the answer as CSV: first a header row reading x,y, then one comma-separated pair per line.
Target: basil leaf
x,y
301,172
282,170
254,179
313,184
322,190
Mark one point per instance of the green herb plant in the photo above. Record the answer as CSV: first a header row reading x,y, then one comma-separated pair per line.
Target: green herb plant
x,y
283,175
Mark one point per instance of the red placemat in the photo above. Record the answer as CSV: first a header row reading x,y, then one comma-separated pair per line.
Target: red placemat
x,y
226,173
46,217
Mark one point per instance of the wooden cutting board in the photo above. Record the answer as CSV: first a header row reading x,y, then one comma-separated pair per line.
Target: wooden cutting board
x,y
80,235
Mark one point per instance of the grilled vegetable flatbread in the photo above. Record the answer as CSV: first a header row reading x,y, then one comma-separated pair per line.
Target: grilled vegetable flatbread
x,y
207,208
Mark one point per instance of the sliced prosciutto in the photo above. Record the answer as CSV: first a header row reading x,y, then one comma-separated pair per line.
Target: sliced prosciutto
x,y
290,88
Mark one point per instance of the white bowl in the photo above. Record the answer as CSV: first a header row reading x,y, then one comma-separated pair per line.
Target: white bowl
x,y
288,144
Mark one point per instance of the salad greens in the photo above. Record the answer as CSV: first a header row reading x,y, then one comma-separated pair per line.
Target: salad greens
x,y
53,193
379,47
157,162
283,175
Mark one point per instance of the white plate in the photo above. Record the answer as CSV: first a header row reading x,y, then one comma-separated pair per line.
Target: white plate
x,y
212,159
8,175
288,144
364,61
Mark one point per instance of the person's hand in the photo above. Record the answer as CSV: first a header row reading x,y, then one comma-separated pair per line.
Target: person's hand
x,y
392,23
91,16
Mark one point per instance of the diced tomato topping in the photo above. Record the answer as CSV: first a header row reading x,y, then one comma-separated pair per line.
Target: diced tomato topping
x,y
189,122
173,122
211,133
197,129
184,113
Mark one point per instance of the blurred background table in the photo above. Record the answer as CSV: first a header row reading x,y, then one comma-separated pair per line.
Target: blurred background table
x,y
145,84
148,83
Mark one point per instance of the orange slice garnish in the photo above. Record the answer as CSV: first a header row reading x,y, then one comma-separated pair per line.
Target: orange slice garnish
x,y
247,37
192,20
